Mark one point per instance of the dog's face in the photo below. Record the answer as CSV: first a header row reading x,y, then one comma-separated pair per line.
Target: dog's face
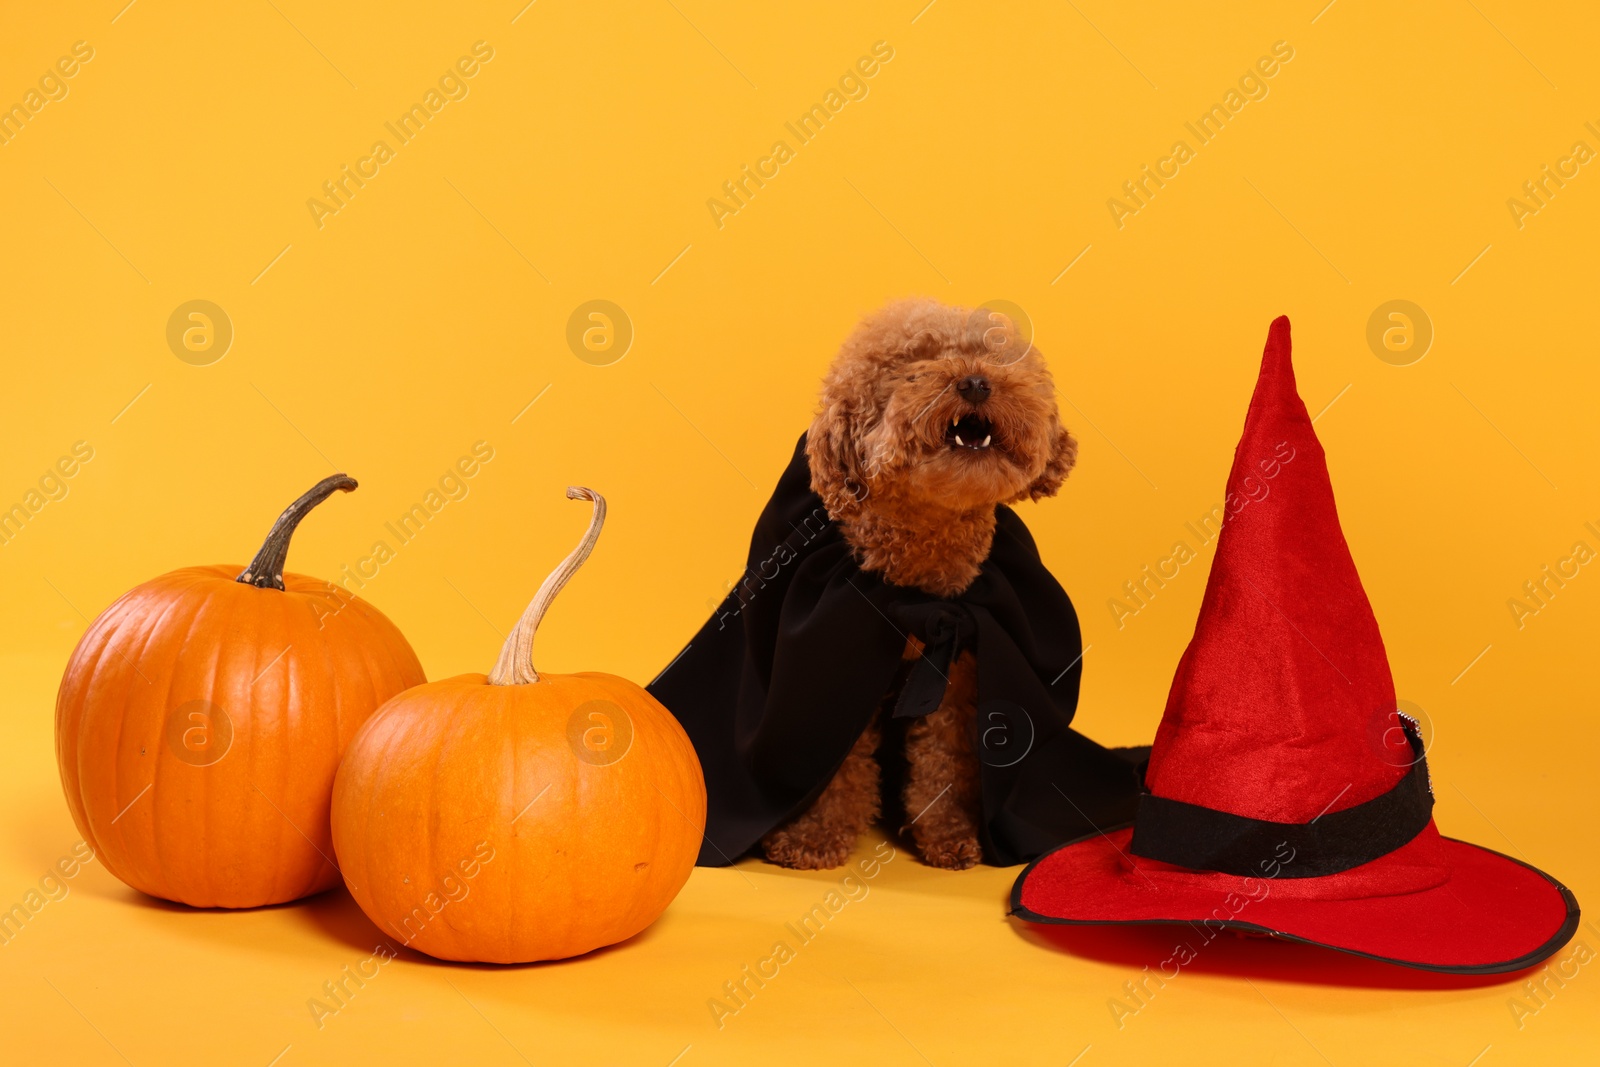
x,y
943,406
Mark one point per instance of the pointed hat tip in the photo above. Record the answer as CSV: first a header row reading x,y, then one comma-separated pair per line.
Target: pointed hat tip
x,y
1275,382
1278,334
1276,356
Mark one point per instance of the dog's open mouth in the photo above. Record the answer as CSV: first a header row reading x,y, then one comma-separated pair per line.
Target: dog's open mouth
x,y
970,431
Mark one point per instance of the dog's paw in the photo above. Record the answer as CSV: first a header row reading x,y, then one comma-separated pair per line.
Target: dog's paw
x,y
789,850
953,855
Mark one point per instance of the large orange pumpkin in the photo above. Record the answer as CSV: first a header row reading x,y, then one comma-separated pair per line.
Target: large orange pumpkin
x,y
516,816
202,717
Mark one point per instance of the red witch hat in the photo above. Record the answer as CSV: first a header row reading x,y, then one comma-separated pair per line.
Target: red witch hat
x,y
1285,793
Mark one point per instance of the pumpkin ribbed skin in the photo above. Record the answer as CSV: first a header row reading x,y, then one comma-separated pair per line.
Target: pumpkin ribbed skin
x,y
295,671
472,824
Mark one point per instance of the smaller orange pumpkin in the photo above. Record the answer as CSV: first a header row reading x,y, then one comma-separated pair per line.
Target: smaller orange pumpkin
x,y
519,817
202,716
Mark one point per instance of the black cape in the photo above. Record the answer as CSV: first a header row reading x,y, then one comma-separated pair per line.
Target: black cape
x,y
781,681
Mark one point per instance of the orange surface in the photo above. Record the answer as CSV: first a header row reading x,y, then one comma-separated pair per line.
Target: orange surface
x,y
436,318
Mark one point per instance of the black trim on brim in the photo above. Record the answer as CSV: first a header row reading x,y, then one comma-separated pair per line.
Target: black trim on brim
x,y
1538,955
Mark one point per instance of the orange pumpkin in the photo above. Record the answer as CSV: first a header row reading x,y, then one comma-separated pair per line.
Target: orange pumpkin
x,y
202,717
516,816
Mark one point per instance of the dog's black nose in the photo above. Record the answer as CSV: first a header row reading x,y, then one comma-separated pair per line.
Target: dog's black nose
x,y
973,389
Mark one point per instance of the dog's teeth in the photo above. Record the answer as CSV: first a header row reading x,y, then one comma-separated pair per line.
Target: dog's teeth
x,y
985,441
955,420
959,441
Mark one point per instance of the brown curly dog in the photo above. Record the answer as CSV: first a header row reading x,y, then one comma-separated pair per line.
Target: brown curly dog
x,y
931,416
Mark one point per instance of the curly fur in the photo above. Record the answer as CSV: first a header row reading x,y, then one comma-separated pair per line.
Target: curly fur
x,y
921,513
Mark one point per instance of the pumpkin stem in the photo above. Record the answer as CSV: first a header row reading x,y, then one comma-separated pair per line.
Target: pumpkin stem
x,y
266,569
515,665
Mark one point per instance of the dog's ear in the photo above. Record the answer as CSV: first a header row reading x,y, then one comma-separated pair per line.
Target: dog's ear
x,y
1063,454
835,464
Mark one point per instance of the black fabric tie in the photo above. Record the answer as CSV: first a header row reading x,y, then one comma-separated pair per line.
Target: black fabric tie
x,y
944,628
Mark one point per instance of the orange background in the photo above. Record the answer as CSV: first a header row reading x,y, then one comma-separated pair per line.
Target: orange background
x,y
432,309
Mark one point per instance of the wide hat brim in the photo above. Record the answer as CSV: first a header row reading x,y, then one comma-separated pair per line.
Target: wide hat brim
x,y
1480,913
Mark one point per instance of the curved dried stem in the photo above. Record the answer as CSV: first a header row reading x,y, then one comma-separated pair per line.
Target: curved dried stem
x,y
515,665
266,569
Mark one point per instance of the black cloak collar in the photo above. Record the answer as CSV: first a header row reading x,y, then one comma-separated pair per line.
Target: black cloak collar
x,y
783,678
